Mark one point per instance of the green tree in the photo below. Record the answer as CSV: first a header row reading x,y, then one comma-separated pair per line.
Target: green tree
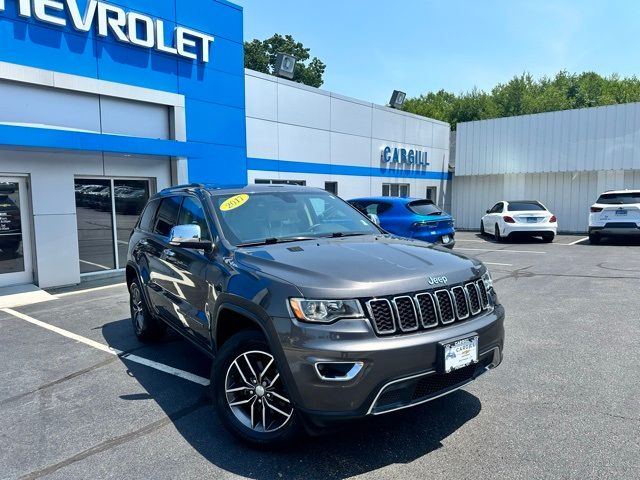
x,y
524,95
261,55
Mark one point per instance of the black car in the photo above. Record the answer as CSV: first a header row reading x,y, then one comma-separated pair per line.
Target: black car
x,y
313,315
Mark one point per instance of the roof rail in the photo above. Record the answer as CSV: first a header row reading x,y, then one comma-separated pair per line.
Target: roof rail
x,y
178,187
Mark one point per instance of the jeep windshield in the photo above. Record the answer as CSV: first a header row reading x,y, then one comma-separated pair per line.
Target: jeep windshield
x,y
283,216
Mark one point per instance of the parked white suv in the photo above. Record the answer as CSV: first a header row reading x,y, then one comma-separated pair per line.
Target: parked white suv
x,y
616,212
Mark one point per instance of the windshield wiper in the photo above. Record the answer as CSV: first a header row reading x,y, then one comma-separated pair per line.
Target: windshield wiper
x,y
274,240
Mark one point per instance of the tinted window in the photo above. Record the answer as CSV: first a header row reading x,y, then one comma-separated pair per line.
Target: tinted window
x,y
424,207
167,215
372,208
497,208
192,213
524,206
619,198
149,215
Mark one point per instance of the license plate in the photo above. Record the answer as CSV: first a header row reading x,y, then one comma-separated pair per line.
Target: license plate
x,y
446,238
460,353
621,212
532,220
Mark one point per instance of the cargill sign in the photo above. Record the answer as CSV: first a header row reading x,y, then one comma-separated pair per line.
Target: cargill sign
x,y
407,156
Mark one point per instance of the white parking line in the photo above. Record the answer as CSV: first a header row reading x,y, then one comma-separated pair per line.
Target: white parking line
x,y
110,350
494,250
87,290
96,265
577,241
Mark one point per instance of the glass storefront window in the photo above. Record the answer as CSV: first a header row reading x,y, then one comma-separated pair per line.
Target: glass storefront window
x,y
95,225
130,198
99,203
11,248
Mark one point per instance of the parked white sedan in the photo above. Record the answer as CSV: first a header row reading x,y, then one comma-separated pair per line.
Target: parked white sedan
x,y
521,217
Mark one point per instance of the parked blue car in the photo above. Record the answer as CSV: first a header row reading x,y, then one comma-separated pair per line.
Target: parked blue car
x,y
409,217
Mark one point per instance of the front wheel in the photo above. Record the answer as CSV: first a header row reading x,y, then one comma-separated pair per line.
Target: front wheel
x,y
250,395
146,327
482,232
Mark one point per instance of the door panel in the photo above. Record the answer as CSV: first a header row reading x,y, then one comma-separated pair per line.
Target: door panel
x,y
162,275
15,238
190,269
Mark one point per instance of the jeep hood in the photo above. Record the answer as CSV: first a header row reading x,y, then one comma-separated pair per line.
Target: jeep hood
x,y
365,266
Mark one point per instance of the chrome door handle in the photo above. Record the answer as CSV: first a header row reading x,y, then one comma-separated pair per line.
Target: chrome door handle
x,y
169,253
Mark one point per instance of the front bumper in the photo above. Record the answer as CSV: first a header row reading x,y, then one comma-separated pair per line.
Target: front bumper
x,y
393,368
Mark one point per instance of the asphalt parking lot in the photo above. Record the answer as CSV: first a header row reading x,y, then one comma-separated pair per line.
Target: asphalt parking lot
x,y
80,397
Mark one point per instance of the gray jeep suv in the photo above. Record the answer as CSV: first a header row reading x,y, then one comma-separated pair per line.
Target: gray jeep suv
x,y
312,314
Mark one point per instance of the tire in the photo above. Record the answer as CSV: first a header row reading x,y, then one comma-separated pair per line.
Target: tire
x,y
496,234
482,232
594,238
146,327
548,238
276,426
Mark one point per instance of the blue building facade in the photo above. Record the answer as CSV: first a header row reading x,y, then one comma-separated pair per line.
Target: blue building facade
x,y
101,105
213,91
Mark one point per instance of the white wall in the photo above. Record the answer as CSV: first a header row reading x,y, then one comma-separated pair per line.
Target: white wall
x,y
291,122
589,139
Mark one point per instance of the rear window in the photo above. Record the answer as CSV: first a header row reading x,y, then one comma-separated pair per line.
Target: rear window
x,y
424,207
619,198
524,206
149,215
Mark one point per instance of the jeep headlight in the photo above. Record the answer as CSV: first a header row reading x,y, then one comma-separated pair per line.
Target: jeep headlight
x,y
488,281
325,311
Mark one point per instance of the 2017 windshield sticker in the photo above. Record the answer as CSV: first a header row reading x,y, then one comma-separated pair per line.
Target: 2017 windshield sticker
x,y
234,202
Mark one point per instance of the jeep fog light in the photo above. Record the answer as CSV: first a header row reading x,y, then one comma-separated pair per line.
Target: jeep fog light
x,y
325,311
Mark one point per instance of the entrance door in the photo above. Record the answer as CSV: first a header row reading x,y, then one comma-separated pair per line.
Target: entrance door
x,y
15,239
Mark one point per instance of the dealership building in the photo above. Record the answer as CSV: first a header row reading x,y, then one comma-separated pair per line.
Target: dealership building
x,y
563,159
106,103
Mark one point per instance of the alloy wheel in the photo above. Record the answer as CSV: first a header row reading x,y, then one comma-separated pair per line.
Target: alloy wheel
x,y
137,308
255,393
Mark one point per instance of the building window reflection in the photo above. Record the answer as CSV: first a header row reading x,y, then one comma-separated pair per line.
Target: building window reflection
x,y
107,210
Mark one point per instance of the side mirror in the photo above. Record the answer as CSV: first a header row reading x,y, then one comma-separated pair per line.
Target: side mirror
x,y
488,211
189,236
374,218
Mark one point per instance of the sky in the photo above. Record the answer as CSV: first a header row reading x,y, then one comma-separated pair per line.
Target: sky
x,y
417,46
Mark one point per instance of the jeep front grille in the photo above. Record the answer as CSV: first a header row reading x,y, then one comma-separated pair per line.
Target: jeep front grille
x,y
423,310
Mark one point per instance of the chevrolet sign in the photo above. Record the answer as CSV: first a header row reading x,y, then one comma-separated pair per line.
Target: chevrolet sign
x,y
126,26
